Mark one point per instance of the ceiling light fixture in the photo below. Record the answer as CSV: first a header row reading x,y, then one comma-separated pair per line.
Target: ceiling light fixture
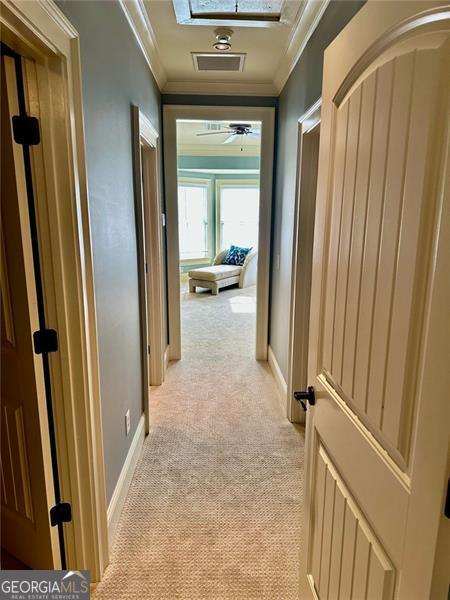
x,y
223,37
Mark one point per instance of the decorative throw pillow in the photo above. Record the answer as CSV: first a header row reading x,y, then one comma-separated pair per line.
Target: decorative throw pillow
x,y
236,256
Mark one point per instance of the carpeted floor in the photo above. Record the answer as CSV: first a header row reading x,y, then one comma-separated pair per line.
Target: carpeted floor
x,y
214,507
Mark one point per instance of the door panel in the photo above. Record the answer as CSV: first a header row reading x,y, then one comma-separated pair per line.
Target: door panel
x,y
366,468
383,143
16,485
373,277
348,560
26,478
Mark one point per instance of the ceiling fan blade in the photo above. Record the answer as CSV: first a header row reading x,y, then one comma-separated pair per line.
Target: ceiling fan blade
x,y
254,134
231,139
215,132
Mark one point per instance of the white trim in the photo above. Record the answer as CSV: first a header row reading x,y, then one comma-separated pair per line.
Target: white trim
x,y
203,184
141,239
123,483
40,31
300,36
233,183
166,359
220,113
302,246
150,241
278,376
147,131
221,88
139,22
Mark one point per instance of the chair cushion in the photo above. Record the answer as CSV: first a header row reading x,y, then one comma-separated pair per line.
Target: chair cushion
x,y
215,272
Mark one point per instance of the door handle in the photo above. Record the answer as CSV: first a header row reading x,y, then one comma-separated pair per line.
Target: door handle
x,y
302,397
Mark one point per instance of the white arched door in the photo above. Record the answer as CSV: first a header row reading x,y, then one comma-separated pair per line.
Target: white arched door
x,y
377,434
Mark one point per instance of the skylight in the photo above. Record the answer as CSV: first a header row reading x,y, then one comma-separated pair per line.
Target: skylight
x,y
248,9
241,13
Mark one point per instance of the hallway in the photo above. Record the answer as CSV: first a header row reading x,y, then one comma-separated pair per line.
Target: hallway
x,y
214,507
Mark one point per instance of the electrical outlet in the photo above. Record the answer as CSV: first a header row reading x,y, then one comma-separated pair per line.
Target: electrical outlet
x,y
127,422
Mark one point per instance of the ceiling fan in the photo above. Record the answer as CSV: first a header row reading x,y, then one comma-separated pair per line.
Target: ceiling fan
x,y
236,130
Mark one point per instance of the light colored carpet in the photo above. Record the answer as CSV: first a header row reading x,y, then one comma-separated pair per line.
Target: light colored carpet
x,y
214,507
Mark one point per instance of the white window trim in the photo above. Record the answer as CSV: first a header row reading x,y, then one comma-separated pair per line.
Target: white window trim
x,y
223,183
201,182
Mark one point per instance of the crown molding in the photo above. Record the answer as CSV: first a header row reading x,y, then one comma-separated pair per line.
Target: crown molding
x,y
307,21
305,26
139,22
220,88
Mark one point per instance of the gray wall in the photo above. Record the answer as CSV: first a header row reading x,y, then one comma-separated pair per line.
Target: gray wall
x,y
114,76
302,89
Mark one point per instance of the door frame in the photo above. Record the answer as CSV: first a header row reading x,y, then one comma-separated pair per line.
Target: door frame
x,y
302,251
149,225
40,31
219,113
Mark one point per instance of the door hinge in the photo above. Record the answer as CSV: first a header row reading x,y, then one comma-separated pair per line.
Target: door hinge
x,y
60,513
146,268
45,340
26,130
148,349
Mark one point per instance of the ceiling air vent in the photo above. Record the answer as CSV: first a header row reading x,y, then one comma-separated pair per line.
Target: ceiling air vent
x,y
214,61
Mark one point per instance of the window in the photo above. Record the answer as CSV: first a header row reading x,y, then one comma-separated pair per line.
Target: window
x,y
238,214
193,220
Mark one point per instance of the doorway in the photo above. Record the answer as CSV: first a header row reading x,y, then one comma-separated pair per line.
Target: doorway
x,y
150,241
218,221
302,250
225,115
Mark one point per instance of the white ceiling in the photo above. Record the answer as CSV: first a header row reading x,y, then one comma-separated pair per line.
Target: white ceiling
x,y
271,51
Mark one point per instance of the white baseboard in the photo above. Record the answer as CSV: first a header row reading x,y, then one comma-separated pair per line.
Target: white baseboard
x,y
278,376
166,359
123,484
